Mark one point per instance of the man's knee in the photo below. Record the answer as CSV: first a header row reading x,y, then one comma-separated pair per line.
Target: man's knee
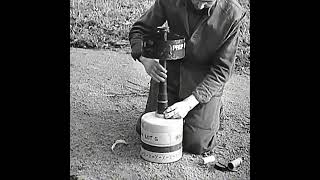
x,y
198,141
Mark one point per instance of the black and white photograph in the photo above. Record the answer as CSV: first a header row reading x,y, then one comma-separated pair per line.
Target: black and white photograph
x,y
159,89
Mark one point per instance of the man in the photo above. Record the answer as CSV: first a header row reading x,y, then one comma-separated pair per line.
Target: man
x,y
195,83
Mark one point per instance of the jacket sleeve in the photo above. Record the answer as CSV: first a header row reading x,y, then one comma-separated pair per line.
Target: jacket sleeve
x,y
153,18
221,69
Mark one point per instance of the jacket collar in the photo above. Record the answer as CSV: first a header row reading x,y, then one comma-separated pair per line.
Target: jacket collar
x,y
210,10
183,3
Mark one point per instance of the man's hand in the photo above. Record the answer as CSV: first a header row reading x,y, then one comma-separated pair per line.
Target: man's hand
x,y
154,69
180,109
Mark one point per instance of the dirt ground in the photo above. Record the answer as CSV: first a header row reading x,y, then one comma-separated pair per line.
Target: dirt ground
x,y
108,92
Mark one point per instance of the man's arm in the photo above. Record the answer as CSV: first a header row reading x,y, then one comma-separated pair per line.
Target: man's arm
x,y
221,69
216,78
153,18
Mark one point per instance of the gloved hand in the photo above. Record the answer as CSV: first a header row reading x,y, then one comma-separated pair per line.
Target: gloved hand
x,y
180,109
154,69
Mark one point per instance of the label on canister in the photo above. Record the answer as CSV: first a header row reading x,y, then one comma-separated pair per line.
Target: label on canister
x,y
161,157
161,139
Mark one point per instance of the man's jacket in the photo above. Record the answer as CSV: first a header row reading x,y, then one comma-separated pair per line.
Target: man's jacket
x,y
210,49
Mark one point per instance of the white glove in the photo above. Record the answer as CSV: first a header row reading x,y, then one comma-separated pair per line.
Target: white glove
x,y
154,69
180,109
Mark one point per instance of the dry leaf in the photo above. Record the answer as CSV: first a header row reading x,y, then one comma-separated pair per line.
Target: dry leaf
x,y
119,141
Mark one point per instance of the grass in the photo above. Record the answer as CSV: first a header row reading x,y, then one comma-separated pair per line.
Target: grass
x,y
105,24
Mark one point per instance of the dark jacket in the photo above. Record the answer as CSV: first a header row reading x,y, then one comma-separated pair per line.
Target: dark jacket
x,y
210,49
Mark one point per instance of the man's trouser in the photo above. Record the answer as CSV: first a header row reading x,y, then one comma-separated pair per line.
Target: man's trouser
x,y
201,123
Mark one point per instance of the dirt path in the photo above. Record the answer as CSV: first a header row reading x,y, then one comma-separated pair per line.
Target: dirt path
x,y
108,92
